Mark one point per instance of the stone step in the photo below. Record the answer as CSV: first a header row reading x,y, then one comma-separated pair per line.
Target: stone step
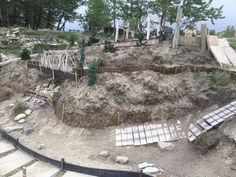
x,y
39,169
13,161
5,147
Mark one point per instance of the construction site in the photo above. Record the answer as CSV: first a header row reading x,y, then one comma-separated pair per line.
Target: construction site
x,y
136,107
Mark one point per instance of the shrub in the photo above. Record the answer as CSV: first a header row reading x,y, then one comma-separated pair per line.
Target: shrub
x,y
25,54
80,62
1,58
72,39
92,73
108,47
19,108
39,47
92,39
57,80
207,140
140,36
220,78
62,46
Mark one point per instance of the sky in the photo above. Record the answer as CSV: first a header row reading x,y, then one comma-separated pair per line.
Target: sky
x,y
229,12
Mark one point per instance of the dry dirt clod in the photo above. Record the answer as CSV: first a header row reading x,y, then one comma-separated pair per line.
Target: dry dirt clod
x,y
19,117
104,154
122,159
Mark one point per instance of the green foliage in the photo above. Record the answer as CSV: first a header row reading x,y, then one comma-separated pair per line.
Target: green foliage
x,y
140,36
97,16
1,58
25,54
57,80
108,47
72,39
230,31
212,32
232,42
92,73
92,39
39,47
80,62
221,78
19,108
62,46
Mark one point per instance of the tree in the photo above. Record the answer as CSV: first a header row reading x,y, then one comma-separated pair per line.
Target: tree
x,y
229,31
97,16
133,12
92,73
114,9
193,11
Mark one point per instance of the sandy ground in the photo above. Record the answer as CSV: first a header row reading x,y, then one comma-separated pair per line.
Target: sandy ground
x,y
81,146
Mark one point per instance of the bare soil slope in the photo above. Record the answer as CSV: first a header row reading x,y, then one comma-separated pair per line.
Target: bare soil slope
x,y
139,97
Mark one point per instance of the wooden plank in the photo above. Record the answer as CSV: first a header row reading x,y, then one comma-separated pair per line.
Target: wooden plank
x,y
179,130
161,133
167,132
142,136
124,137
148,134
173,132
220,56
223,42
230,54
130,138
212,41
154,132
136,136
118,137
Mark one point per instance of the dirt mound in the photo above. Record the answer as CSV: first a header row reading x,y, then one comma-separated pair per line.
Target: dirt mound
x,y
14,79
137,97
156,54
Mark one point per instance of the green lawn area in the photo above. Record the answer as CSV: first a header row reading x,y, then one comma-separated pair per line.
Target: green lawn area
x,y
232,42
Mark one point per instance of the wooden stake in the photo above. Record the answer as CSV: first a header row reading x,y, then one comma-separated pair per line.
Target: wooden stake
x,y
178,23
148,27
204,37
117,31
24,172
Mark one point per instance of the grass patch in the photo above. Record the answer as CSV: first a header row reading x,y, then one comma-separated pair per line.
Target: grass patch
x,y
232,42
19,108
11,49
221,79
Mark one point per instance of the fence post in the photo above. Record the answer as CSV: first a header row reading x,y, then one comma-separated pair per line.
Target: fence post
x,y
62,163
24,172
204,37
178,23
16,142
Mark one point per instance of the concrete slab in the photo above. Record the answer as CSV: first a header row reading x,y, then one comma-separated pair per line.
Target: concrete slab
x,y
213,41
220,56
73,174
13,161
223,42
5,147
231,54
39,169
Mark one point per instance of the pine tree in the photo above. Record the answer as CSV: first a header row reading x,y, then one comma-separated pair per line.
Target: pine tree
x,y
80,63
92,73
97,16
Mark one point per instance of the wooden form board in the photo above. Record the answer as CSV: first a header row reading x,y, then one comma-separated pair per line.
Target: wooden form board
x,y
220,56
231,54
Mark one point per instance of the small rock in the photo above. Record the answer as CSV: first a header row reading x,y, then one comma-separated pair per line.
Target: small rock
x,y
45,85
27,129
19,117
151,170
25,99
11,105
41,147
21,121
144,165
13,128
28,112
166,146
233,166
104,154
122,159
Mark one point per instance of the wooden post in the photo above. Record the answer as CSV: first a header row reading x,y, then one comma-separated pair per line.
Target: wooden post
x,y
158,28
148,27
178,23
204,37
24,172
117,31
127,32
